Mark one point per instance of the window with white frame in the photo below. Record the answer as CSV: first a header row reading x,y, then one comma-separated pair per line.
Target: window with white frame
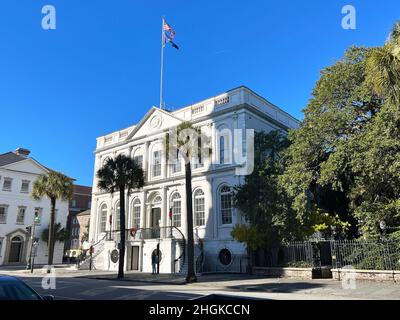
x,y
136,214
198,159
199,213
21,215
3,213
176,207
103,218
25,186
7,183
157,163
226,205
221,149
176,163
139,160
117,216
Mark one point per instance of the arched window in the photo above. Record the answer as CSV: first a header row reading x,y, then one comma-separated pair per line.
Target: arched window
x,y
117,216
226,205
221,149
138,157
176,209
136,214
157,200
199,213
103,218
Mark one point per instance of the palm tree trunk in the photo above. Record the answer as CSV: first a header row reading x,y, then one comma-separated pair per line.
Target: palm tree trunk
x,y
51,231
122,232
191,275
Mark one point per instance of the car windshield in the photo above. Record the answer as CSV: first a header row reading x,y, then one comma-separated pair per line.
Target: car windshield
x,y
15,290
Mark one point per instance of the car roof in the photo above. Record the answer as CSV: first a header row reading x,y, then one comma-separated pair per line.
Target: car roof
x,y
8,278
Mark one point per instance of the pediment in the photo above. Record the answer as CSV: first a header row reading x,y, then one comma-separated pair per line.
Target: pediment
x,y
155,120
28,165
17,232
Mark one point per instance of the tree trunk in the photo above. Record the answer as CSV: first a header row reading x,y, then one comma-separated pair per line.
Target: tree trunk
x,y
191,275
122,232
51,231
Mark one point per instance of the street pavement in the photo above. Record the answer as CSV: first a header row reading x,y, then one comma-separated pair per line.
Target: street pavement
x,y
95,285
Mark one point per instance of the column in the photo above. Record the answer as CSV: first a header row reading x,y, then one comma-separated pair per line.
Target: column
x,y
164,210
93,228
146,158
143,210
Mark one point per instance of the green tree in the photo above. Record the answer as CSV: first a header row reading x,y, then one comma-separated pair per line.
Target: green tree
x,y
375,194
55,186
265,205
341,107
344,159
121,174
189,142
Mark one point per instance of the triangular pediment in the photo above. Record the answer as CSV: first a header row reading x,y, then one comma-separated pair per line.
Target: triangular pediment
x,y
155,120
28,165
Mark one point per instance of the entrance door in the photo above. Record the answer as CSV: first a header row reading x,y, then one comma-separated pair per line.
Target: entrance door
x,y
135,258
15,250
155,217
155,222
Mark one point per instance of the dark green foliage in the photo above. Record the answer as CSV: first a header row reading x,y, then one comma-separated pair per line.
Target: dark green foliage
x,y
266,206
124,175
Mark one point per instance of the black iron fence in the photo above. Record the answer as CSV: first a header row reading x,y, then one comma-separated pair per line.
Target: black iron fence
x,y
368,255
360,254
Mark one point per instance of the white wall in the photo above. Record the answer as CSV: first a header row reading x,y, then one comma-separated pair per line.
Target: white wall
x,y
15,198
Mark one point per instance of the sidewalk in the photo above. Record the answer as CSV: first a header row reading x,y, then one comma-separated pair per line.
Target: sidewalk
x,y
234,284
70,271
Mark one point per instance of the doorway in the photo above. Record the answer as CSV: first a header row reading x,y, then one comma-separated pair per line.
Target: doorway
x,y
15,250
155,222
135,258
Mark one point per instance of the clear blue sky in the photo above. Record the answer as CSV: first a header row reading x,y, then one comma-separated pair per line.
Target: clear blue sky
x,y
99,70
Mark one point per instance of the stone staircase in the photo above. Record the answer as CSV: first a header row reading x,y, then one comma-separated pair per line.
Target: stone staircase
x,y
98,248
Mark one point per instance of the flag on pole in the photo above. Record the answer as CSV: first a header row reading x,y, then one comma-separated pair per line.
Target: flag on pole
x,y
169,35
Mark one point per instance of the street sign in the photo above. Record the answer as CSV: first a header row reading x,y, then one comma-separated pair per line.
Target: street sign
x,y
36,219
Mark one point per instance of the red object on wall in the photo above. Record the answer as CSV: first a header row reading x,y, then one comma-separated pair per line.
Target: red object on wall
x,y
170,212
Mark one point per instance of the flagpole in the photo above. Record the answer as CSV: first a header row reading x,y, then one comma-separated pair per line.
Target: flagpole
x,y
162,63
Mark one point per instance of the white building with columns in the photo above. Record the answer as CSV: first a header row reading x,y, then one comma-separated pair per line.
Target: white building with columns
x,y
158,210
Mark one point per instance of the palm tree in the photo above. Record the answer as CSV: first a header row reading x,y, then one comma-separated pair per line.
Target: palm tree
x,y
383,68
187,140
55,186
121,174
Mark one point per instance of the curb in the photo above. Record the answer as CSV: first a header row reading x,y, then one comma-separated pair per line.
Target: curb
x,y
179,282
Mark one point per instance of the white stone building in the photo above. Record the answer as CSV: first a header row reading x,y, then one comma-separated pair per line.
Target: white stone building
x,y
149,209
17,209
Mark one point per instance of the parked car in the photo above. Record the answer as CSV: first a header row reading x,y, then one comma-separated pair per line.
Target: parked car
x,y
12,288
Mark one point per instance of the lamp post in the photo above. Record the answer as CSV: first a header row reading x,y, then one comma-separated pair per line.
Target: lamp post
x,y
170,221
158,255
34,244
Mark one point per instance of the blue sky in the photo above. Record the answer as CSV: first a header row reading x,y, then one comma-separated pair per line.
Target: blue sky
x,y
99,70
